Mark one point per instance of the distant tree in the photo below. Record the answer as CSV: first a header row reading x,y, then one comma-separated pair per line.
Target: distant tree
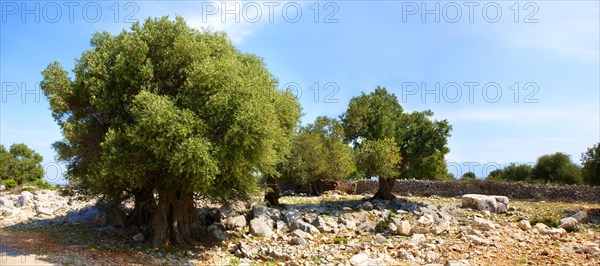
x,y
516,173
557,168
319,155
513,172
591,165
468,176
380,158
162,113
421,141
20,165
496,175
450,176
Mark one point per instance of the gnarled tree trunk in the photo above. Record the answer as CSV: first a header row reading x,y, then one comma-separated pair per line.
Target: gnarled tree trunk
x,y
386,185
172,220
142,211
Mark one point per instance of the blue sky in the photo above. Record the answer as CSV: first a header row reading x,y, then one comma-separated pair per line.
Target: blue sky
x,y
515,79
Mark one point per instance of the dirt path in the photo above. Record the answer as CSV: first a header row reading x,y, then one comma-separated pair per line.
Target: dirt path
x,y
11,257
46,250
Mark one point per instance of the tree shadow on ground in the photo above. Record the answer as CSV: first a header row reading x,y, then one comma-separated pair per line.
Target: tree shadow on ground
x,y
51,236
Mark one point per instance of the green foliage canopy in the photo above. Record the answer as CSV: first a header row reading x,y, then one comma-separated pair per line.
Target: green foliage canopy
x,y
557,168
319,154
380,157
421,141
170,107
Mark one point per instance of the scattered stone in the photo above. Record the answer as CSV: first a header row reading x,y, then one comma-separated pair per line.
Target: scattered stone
x,y
496,204
361,259
556,233
301,234
406,255
417,239
380,239
581,217
25,199
540,226
432,257
215,231
266,213
297,241
139,237
482,224
260,227
304,226
392,228
235,223
524,225
404,228
568,223
92,215
479,240
367,206
456,263
290,216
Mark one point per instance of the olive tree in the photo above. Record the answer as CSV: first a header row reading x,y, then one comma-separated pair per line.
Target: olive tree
x,y
556,168
319,155
162,113
421,141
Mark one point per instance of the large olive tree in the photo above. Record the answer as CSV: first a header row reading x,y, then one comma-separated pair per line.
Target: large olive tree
x,y
164,112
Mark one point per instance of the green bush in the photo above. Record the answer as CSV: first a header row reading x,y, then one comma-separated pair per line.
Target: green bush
x,y
10,184
40,183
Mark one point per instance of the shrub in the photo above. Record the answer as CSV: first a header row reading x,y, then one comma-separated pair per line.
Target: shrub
x,y
10,184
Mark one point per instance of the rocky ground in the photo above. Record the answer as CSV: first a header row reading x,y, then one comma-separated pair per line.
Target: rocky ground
x,y
331,229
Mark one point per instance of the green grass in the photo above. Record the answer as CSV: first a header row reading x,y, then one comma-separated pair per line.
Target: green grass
x,y
340,240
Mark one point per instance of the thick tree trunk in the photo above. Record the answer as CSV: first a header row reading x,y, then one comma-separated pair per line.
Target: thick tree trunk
x,y
142,211
386,185
273,192
172,220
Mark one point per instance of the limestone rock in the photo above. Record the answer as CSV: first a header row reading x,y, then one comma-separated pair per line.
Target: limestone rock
x,y
25,199
235,223
290,216
568,223
524,225
361,259
581,216
260,227
138,237
367,206
297,241
496,204
304,226
482,224
404,228
215,231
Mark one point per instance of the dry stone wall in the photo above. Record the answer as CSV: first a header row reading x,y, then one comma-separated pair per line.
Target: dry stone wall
x,y
568,193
